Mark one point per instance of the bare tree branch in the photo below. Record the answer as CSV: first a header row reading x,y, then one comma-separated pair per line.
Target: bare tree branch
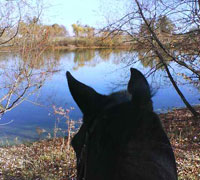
x,y
154,37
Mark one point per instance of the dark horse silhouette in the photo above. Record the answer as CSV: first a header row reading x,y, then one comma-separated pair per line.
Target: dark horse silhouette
x,y
121,138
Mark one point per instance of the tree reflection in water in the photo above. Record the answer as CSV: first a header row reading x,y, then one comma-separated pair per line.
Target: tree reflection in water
x,y
22,76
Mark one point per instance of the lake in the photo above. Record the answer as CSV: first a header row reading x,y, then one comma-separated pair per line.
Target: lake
x,y
34,88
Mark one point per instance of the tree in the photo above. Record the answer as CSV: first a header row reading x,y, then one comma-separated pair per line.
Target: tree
x,y
58,30
22,81
83,30
20,23
78,29
12,13
89,31
153,22
165,25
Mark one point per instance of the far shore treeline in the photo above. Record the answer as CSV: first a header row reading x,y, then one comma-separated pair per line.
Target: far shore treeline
x,y
33,34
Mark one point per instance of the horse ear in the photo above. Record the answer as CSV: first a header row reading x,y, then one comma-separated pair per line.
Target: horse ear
x,y
139,88
86,98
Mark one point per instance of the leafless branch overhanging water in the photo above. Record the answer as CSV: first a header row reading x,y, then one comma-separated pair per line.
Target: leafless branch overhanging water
x,y
154,37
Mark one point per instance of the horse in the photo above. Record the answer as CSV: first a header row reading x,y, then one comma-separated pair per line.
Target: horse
x,y
121,137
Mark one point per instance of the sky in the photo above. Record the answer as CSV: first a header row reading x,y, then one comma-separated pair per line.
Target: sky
x,y
91,12
67,12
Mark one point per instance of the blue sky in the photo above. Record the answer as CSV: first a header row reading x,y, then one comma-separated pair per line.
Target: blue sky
x,y
67,12
90,12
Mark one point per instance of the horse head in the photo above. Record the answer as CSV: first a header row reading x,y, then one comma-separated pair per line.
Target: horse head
x,y
121,138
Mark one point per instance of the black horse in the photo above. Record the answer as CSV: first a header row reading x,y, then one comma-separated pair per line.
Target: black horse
x,y
121,138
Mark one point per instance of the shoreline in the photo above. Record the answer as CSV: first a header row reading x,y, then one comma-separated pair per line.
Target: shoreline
x,y
69,48
54,159
161,113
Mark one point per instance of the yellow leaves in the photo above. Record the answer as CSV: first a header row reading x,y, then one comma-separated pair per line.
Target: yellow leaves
x,y
81,30
185,77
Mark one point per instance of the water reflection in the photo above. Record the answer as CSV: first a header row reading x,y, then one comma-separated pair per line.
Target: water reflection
x,y
82,57
105,54
22,76
150,60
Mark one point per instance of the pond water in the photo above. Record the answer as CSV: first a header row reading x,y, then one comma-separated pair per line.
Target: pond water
x,y
46,89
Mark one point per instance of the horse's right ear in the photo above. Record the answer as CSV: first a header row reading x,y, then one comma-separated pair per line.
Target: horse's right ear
x,y
139,88
86,98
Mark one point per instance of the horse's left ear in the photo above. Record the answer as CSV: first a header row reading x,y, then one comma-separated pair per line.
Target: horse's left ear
x,y
86,98
139,88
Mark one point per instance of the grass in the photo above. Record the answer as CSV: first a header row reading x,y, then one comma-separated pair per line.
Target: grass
x,y
54,160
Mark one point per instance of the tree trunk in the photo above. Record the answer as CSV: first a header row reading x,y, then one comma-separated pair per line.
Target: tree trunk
x,y
192,110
